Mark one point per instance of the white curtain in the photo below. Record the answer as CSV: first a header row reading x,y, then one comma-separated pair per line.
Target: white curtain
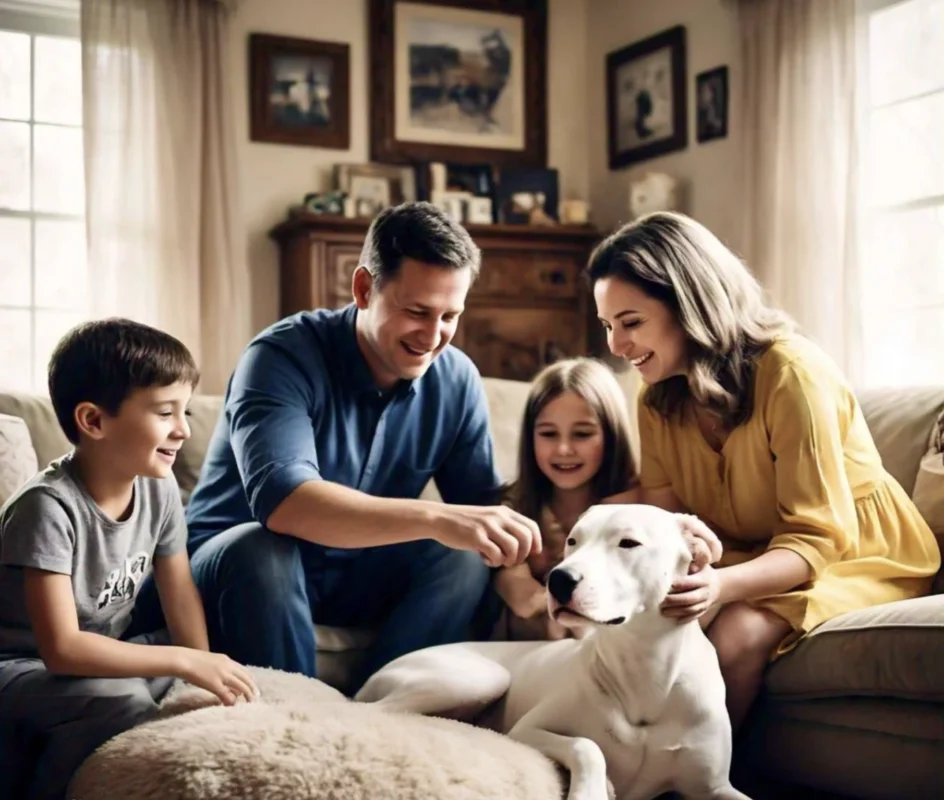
x,y
163,221
800,166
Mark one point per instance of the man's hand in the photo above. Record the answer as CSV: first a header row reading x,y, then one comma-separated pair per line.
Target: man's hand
x,y
692,595
219,674
501,535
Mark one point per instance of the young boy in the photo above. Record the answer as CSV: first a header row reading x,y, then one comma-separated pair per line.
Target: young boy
x,y
79,539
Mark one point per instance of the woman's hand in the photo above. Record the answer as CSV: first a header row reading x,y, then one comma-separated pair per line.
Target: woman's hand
x,y
703,542
692,595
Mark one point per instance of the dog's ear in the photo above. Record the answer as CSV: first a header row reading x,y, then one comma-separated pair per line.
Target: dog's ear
x,y
704,545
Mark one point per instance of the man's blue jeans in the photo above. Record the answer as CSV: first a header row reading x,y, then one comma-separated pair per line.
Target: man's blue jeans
x,y
262,592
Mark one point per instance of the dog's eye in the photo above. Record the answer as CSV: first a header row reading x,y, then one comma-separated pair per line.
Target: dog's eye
x,y
571,541
628,543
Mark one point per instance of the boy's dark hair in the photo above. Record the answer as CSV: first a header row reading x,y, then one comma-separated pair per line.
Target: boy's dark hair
x,y
419,231
103,361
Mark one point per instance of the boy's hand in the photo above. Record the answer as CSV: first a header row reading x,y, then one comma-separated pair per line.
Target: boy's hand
x,y
219,674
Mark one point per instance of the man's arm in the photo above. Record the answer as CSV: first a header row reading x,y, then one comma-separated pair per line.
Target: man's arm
x,y
336,516
180,601
273,395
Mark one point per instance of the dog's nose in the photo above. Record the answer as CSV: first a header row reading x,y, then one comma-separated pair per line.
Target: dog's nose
x,y
562,583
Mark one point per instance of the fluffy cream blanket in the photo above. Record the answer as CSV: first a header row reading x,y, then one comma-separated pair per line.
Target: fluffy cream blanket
x,y
303,739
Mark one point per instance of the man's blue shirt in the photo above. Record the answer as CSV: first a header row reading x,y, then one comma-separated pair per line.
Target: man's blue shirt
x,y
302,405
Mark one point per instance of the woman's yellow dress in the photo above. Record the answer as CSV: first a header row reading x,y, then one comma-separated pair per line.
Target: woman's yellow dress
x,y
804,474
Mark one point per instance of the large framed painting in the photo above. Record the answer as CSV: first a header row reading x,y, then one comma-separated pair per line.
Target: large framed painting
x,y
646,98
299,91
460,81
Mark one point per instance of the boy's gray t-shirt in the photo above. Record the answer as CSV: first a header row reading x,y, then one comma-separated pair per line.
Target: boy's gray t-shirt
x,y
53,524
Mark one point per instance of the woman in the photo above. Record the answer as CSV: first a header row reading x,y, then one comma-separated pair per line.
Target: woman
x,y
752,428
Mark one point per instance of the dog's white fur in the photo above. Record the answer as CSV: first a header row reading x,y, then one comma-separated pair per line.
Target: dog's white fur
x,y
640,699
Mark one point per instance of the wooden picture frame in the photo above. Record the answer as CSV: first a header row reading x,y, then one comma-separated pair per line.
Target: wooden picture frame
x,y
479,98
286,107
646,99
711,104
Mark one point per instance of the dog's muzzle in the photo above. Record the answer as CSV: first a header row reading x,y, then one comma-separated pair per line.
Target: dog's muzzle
x,y
561,584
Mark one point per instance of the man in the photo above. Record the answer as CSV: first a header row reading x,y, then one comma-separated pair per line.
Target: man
x,y
334,421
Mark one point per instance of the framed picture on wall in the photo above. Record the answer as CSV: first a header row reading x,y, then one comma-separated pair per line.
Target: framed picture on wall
x,y
299,91
461,81
711,104
646,98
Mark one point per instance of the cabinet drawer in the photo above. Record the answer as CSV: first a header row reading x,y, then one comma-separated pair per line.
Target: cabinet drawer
x,y
528,275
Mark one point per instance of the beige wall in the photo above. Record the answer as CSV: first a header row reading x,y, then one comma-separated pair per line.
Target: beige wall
x,y
273,176
709,170
580,34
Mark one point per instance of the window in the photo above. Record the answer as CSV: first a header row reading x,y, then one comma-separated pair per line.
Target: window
x,y
902,280
42,192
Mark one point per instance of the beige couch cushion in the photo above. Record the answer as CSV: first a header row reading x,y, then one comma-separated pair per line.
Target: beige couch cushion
x,y
892,650
929,485
49,441
18,461
506,401
204,412
900,421
929,490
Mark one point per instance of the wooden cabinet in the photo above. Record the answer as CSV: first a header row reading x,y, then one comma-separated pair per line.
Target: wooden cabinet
x,y
529,307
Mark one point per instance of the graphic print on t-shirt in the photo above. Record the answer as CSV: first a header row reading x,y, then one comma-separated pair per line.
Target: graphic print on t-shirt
x,y
123,582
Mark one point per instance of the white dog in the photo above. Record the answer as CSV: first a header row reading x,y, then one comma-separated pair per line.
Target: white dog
x,y
640,699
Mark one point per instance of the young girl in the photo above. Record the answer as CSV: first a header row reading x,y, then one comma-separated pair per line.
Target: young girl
x,y
574,452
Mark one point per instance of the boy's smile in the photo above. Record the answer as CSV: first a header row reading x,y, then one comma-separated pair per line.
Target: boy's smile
x,y
146,434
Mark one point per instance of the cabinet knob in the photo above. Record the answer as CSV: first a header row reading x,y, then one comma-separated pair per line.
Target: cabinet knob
x,y
553,276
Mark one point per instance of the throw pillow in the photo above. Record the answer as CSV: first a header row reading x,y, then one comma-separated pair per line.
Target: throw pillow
x,y
929,489
18,461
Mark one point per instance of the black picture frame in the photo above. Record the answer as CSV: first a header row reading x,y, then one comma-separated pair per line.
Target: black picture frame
x,y
529,182
267,122
711,104
637,107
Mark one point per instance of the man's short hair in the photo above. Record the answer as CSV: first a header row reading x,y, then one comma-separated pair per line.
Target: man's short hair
x,y
103,361
421,232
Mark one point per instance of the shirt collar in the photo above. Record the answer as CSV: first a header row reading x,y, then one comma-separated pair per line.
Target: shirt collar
x,y
359,376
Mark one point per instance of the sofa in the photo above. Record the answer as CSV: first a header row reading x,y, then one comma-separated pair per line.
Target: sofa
x,y
856,710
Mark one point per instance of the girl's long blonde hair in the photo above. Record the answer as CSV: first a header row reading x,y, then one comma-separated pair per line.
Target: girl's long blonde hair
x,y
596,384
717,301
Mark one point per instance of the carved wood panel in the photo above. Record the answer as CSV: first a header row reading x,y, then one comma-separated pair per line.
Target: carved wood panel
x,y
517,343
341,263
528,308
526,275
